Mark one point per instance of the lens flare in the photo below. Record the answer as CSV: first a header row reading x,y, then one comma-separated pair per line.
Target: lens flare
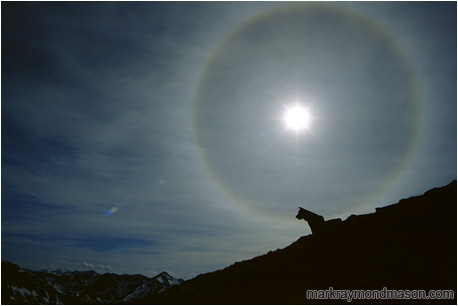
x,y
116,208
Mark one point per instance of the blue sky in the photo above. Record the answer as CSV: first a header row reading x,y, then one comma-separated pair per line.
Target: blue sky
x,y
169,116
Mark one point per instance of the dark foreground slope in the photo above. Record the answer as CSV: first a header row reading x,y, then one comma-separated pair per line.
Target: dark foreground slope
x,y
409,245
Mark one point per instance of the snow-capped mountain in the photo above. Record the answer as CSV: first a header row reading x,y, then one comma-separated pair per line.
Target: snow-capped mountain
x,y
155,285
22,286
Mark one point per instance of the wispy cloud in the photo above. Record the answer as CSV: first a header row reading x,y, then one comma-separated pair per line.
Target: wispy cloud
x,y
92,266
98,109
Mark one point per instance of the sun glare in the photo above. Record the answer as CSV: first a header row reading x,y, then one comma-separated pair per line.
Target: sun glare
x,y
297,118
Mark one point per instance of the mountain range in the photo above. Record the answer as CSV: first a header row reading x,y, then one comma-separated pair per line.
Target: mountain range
x,y
22,286
407,246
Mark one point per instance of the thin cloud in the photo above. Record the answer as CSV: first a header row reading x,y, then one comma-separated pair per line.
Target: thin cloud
x,y
98,107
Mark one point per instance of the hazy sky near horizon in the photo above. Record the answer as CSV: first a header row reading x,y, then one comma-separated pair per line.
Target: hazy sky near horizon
x,y
149,136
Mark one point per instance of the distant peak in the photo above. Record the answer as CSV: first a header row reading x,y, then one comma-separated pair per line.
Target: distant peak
x,y
164,274
165,277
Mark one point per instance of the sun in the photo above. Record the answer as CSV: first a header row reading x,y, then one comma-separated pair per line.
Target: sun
x,y
297,118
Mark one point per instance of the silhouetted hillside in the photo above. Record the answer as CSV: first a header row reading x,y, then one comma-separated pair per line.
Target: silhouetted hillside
x,y
410,245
